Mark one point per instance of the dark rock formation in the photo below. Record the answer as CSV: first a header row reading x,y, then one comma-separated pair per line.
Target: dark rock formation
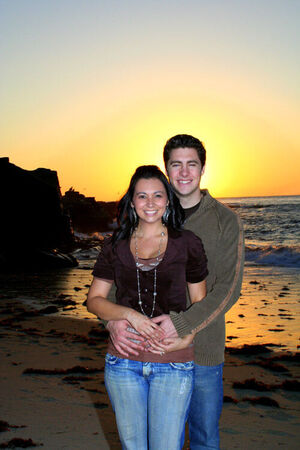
x,y
87,214
34,231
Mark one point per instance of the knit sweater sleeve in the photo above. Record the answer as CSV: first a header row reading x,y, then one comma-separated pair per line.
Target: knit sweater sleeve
x,y
225,290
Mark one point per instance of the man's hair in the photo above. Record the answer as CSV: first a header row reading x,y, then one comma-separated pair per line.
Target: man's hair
x,y
184,141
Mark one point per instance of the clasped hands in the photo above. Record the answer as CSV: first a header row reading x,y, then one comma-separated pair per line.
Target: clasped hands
x,y
157,335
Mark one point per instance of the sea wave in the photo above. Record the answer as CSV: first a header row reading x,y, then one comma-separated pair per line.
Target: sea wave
x,y
282,256
88,253
253,206
258,254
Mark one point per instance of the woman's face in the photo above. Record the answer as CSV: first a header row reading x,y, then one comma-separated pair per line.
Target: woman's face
x,y
150,200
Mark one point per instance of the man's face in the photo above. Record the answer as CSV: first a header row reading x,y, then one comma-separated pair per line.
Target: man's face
x,y
184,171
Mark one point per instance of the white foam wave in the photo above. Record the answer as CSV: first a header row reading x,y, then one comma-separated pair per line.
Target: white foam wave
x,y
274,255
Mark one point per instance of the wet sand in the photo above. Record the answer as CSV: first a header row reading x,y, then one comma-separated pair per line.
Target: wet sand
x,y
52,391
268,310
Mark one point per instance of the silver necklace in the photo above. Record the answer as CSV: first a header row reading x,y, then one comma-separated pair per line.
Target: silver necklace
x,y
138,274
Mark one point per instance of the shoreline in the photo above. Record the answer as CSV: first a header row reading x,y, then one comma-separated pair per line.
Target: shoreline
x,y
52,384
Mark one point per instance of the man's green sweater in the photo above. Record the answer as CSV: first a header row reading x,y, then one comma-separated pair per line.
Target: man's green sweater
x,y
222,235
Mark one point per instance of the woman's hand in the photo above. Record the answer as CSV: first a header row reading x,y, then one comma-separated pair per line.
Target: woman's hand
x,y
144,326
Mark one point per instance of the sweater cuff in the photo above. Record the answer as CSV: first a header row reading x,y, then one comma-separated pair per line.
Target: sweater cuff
x,y
182,326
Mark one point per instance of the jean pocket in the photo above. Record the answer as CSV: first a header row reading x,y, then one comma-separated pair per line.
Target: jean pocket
x,y
186,366
111,359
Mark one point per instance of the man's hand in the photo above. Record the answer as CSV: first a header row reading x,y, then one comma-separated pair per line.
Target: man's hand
x,y
120,336
166,324
171,344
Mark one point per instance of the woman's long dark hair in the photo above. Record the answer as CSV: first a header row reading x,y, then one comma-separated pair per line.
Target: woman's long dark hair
x,y
125,216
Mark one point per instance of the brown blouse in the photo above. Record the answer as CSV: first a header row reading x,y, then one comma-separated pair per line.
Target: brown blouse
x,y
184,261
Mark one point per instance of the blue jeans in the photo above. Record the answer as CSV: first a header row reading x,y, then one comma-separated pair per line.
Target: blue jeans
x,y
150,401
206,407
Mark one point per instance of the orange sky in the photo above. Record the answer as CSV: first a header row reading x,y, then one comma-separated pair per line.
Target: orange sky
x,y
93,91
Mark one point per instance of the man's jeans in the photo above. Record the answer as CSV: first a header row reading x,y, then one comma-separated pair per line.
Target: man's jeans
x,y
150,400
206,407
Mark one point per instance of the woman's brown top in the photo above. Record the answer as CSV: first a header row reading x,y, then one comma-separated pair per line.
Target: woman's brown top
x,y
184,261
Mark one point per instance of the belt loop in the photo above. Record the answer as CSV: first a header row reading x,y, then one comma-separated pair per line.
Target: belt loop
x,y
147,368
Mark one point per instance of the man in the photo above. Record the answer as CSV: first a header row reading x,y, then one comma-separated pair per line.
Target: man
x,y
221,232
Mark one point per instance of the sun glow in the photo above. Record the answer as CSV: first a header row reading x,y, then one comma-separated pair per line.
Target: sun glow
x,y
107,98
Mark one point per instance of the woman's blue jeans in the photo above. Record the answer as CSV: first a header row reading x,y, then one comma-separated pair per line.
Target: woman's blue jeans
x,y
150,401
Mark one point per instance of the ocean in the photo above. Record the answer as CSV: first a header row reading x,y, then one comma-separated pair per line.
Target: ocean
x,y
272,229
269,307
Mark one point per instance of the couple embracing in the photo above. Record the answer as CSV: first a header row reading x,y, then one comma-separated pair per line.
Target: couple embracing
x,y
165,355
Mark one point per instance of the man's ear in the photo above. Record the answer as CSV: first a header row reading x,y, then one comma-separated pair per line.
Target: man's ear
x,y
203,170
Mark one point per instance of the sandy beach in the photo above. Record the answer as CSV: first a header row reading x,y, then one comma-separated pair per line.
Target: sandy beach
x,y
52,390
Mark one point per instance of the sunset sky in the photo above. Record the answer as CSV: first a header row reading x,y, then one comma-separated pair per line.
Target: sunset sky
x,y
94,88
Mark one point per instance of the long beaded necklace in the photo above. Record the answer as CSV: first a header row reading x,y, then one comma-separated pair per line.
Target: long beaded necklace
x,y
138,274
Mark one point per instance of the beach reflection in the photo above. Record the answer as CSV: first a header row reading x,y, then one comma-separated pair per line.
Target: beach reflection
x,y
267,311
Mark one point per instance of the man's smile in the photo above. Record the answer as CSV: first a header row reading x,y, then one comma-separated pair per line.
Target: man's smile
x,y
184,181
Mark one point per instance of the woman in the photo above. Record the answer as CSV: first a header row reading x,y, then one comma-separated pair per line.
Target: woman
x,y
151,260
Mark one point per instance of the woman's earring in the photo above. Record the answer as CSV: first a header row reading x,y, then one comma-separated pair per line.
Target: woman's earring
x,y
166,214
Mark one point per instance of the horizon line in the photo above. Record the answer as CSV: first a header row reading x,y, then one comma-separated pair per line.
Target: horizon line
x,y
235,197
